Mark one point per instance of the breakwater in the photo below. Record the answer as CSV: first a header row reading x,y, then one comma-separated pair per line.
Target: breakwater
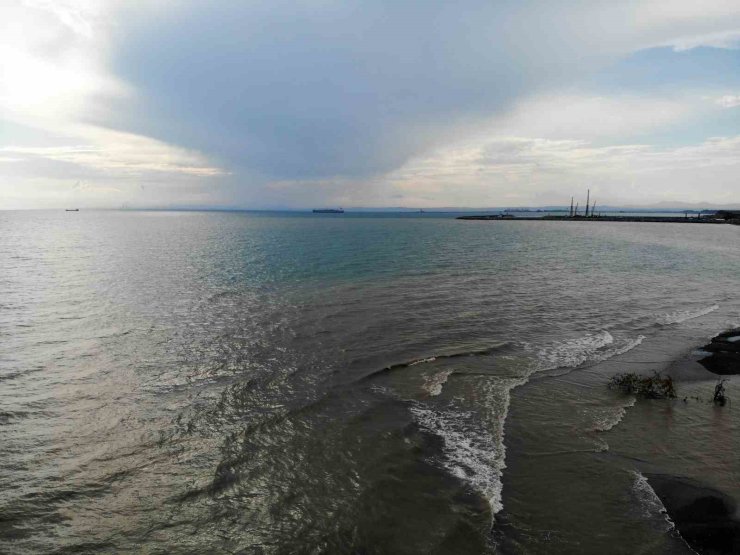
x,y
658,219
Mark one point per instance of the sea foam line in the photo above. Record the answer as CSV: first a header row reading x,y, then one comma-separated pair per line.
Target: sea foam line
x,y
573,352
593,347
401,365
683,315
608,417
628,346
471,457
478,457
473,453
433,384
649,501
422,361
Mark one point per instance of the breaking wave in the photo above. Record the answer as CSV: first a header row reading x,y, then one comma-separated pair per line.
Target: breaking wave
x,y
474,457
474,450
683,315
649,502
433,384
593,347
399,366
605,418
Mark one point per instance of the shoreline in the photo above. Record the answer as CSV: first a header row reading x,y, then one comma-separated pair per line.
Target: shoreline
x,y
662,470
634,219
705,516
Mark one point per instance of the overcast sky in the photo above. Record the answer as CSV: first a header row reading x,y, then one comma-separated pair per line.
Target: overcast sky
x,y
418,103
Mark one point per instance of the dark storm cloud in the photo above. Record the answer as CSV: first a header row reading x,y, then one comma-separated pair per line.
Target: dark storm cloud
x,y
307,90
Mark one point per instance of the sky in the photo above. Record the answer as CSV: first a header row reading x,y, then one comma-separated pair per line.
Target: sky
x,y
383,103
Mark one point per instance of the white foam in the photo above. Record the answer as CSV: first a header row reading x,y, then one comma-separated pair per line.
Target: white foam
x,y
422,361
651,505
433,384
574,352
474,457
683,315
608,417
592,347
474,448
733,339
626,347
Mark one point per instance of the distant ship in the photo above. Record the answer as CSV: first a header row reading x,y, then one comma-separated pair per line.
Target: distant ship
x,y
71,209
328,211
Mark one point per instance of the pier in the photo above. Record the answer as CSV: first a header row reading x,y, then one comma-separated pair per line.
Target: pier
x,y
591,215
644,219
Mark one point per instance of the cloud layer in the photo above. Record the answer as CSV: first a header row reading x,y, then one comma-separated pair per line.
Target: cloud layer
x,y
297,103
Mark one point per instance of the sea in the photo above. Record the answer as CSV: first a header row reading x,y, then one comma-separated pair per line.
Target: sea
x,y
275,382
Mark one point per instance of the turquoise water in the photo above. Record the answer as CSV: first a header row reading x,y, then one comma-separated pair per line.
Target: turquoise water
x,y
276,382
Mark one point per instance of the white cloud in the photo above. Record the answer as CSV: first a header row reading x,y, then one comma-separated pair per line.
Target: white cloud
x,y
687,24
81,16
122,153
353,102
573,116
544,150
724,39
545,171
729,101
53,62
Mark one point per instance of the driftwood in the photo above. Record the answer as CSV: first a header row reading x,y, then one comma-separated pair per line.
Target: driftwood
x,y
719,394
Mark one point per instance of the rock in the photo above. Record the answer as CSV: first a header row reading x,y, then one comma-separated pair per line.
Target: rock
x,y
705,517
725,353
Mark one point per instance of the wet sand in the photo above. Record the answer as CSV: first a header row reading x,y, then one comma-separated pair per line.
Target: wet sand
x,y
705,517
626,460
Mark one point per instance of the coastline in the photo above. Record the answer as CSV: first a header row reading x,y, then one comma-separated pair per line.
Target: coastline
x,y
704,514
568,436
633,219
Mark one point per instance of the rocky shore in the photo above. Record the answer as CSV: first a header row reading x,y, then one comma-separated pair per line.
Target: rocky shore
x,y
724,353
705,517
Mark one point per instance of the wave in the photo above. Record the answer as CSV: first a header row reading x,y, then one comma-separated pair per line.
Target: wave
x,y
8,416
477,456
433,384
626,347
424,360
573,352
20,373
474,457
593,347
683,315
649,502
607,417
474,450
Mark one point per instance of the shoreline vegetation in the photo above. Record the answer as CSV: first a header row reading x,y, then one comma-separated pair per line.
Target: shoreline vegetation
x,y
649,387
705,517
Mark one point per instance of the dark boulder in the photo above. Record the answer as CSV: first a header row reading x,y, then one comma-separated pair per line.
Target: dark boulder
x,y
724,357
705,517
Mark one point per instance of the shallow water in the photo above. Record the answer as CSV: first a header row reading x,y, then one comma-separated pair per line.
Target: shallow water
x,y
245,382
